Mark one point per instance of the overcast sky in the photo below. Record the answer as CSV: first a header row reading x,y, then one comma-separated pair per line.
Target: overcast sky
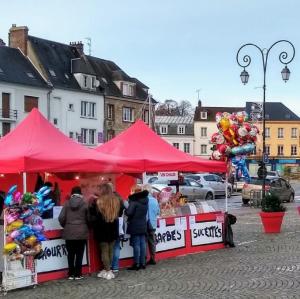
x,y
176,46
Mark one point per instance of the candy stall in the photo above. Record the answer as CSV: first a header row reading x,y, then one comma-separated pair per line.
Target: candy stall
x,y
35,146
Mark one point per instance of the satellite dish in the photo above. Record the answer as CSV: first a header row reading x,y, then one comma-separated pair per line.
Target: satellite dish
x,y
97,83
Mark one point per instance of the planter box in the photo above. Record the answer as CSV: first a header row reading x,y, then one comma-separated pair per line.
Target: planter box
x,y
272,221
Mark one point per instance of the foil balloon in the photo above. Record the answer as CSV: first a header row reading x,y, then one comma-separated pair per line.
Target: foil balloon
x,y
9,247
14,225
31,241
241,168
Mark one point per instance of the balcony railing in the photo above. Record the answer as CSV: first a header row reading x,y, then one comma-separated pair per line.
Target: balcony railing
x,y
8,114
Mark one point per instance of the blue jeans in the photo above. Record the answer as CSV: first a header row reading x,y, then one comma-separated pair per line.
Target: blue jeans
x,y
116,255
139,249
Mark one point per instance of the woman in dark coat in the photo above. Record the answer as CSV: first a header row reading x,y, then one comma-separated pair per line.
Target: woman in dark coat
x,y
104,214
137,227
74,219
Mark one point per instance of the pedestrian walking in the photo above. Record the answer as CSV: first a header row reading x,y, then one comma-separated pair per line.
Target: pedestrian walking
x,y
74,220
104,213
153,213
137,226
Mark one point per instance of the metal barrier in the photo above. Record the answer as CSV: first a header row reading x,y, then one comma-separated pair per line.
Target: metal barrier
x,y
255,198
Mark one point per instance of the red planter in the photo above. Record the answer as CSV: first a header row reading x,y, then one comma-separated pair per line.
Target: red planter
x,y
272,221
298,210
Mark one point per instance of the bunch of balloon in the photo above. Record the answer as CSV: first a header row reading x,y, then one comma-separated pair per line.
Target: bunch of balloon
x,y
235,139
24,230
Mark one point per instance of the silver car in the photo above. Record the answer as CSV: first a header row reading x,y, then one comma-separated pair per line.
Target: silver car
x,y
189,188
213,181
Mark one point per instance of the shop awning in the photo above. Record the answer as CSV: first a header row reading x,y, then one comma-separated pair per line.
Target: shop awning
x,y
154,153
36,145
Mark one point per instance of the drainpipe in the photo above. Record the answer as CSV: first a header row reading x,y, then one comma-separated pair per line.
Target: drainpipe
x,y
48,103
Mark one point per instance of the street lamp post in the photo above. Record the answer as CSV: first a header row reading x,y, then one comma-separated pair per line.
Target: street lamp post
x,y
285,59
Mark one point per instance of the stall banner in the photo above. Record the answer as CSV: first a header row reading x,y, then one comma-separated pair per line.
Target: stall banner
x,y
55,257
167,238
203,233
168,175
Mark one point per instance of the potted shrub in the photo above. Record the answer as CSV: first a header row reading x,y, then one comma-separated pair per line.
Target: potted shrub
x,y
272,213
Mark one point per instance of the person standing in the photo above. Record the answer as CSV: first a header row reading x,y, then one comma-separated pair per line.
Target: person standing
x,y
137,226
74,220
104,213
117,245
153,213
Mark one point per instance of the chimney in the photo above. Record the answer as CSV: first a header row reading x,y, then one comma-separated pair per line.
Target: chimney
x,y
78,46
18,37
2,43
199,103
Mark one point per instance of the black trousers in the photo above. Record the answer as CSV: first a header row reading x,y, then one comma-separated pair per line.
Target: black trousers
x,y
75,250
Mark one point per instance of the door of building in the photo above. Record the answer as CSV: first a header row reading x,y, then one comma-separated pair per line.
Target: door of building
x,y
5,105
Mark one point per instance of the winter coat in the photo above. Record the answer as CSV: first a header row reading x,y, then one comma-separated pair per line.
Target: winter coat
x,y
103,231
153,211
74,219
137,213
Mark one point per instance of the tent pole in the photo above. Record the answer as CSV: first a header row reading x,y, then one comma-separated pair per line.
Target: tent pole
x,y
24,182
226,192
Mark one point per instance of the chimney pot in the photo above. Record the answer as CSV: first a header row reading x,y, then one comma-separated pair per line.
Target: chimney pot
x,y
79,46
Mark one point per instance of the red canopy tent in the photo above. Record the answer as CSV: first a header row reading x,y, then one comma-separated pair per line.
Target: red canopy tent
x,y
154,153
36,145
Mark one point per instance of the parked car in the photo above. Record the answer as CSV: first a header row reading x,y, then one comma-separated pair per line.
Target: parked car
x,y
213,181
278,186
189,188
238,185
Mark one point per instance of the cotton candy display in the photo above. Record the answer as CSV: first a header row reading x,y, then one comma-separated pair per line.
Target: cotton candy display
x,y
24,225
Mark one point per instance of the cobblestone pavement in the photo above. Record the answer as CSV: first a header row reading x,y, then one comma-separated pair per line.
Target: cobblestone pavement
x,y
260,266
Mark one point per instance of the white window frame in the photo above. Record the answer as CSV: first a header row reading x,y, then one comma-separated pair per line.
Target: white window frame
x,y
93,82
280,150
203,149
187,147
128,89
163,129
293,150
267,132
128,114
146,116
88,109
88,136
203,114
280,133
181,129
110,111
267,149
203,130
294,133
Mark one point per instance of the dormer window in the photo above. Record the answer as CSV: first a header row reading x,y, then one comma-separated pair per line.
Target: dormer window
x,y
52,73
203,115
163,129
30,75
85,81
181,129
93,82
128,89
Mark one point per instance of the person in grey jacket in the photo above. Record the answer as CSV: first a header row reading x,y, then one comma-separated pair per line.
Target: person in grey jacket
x,y
74,219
